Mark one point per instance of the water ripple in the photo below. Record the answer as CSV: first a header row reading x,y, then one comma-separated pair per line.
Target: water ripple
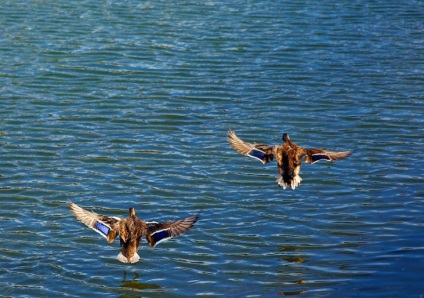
x,y
112,105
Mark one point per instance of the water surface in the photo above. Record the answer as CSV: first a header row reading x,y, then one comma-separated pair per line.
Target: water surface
x,y
118,104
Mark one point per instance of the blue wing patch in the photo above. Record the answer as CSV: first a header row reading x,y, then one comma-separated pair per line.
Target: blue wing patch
x,y
161,235
256,153
102,228
319,156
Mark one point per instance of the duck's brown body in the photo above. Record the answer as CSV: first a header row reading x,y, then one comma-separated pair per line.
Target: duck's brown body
x,y
131,230
288,155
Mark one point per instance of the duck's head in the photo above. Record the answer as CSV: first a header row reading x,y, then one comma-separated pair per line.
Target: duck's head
x,y
132,211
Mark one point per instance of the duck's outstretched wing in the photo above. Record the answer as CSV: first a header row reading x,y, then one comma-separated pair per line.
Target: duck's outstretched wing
x,y
158,232
106,226
314,155
263,153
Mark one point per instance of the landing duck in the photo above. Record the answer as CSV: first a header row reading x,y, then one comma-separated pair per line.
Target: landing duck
x,y
131,230
288,155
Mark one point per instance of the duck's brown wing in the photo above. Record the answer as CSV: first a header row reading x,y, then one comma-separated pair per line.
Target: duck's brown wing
x,y
158,232
106,226
261,152
314,155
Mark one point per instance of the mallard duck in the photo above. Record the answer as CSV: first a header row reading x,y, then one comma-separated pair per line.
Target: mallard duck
x,y
289,157
131,230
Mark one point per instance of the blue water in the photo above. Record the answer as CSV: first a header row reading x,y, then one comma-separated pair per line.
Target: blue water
x,y
118,104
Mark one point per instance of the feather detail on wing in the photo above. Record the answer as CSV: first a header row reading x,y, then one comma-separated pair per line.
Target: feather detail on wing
x,y
104,225
158,232
263,153
314,155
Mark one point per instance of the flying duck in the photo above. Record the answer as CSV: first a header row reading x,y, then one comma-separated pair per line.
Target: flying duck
x,y
131,230
288,155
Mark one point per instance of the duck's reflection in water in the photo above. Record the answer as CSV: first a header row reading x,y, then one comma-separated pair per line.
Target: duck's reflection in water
x,y
134,288
293,258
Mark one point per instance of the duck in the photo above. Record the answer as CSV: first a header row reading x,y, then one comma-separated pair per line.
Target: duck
x,y
288,156
131,230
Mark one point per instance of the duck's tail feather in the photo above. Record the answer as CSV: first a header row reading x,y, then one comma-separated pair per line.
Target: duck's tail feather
x,y
134,259
295,182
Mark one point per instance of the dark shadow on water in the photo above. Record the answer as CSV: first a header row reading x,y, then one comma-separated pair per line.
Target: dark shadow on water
x,y
292,293
133,287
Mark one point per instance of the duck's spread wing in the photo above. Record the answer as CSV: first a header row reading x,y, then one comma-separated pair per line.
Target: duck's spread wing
x,y
158,232
314,155
106,226
263,153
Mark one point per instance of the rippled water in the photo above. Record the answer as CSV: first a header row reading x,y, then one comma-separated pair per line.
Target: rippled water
x,y
113,104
